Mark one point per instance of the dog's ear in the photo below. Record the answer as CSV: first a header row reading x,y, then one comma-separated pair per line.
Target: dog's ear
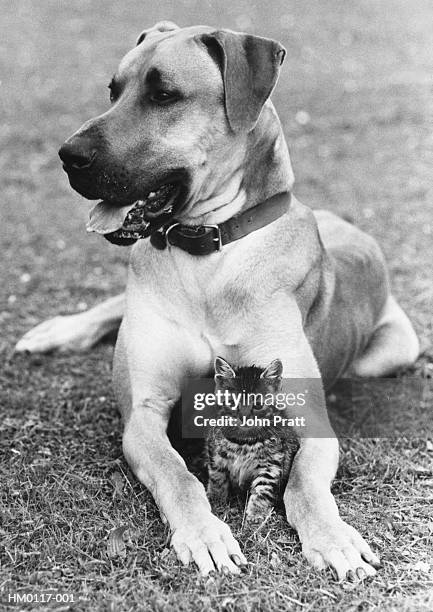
x,y
273,370
161,26
250,66
223,369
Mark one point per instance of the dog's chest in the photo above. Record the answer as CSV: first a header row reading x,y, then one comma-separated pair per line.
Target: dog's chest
x,y
216,293
229,303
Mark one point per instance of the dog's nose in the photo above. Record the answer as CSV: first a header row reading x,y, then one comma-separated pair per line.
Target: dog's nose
x,y
76,155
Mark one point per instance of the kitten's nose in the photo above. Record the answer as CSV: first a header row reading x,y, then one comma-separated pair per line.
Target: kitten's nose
x,y
245,410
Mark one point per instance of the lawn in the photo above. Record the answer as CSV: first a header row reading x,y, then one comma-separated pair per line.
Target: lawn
x,y
355,101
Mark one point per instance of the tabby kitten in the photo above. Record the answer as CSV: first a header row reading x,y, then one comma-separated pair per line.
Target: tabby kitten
x,y
254,457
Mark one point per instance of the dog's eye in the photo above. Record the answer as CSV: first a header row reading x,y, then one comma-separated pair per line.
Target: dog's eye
x,y
162,96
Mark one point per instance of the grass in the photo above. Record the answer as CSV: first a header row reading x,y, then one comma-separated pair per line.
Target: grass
x,y
355,101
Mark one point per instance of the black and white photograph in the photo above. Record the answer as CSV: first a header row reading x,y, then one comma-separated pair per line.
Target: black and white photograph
x,y
216,305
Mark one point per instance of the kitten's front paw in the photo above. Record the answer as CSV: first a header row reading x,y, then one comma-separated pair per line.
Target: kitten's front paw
x,y
257,510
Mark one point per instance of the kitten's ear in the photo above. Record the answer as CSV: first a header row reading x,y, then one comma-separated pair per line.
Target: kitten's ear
x,y
273,370
223,369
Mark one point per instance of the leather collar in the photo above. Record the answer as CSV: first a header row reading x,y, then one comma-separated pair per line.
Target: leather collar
x,y
206,239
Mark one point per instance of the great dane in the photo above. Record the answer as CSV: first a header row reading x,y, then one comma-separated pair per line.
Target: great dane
x,y
191,118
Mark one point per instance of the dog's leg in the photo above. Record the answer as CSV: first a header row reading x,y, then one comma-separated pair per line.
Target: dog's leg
x,y
197,534
393,345
152,358
311,509
310,506
77,332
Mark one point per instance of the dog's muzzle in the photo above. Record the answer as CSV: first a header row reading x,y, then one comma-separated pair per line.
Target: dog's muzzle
x,y
123,225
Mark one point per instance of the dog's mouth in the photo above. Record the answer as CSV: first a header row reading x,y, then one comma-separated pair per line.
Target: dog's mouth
x,y
124,224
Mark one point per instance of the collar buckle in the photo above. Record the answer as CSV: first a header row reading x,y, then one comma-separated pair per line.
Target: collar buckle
x,y
217,235
167,232
217,239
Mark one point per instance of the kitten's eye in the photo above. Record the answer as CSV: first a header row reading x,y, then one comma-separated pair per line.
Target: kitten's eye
x,y
162,96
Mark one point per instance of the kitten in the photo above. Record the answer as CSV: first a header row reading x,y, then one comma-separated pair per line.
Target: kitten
x,y
254,458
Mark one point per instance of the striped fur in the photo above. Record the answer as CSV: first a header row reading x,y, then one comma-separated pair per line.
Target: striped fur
x,y
258,463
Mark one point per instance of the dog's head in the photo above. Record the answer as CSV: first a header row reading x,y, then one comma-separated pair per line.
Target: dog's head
x,y
182,104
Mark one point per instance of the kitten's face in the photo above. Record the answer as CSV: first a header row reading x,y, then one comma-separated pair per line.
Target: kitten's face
x,y
245,390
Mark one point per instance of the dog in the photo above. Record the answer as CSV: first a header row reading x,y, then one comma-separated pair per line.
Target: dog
x,y
235,266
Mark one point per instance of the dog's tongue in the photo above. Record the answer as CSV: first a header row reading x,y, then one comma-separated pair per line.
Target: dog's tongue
x,y
138,217
106,217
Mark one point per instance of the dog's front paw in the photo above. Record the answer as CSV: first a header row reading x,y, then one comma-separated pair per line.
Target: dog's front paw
x,y
341,547
210,544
